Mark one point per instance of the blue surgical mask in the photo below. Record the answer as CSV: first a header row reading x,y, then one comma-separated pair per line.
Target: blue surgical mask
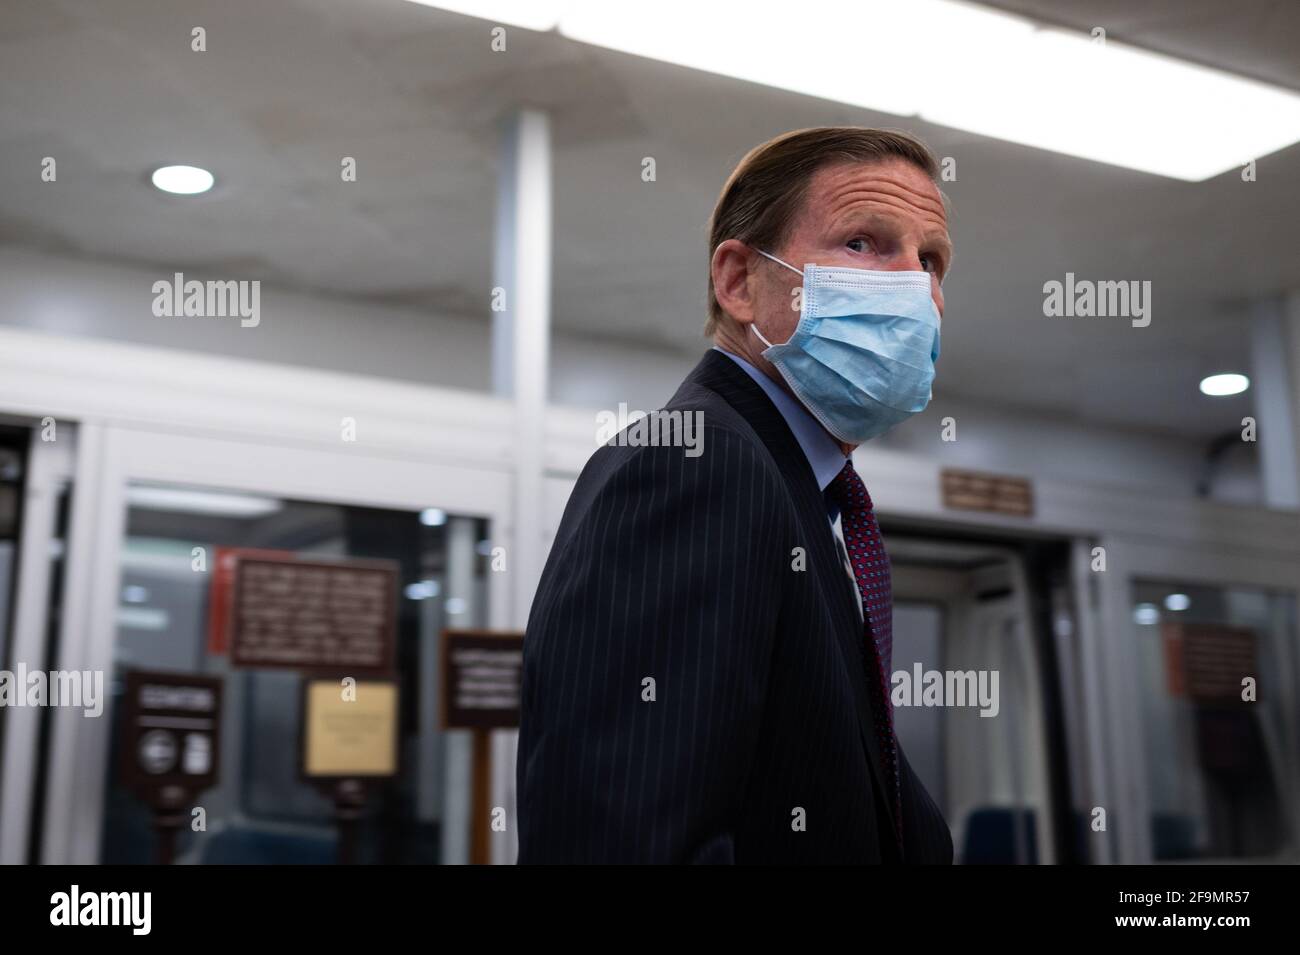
x,y
862,357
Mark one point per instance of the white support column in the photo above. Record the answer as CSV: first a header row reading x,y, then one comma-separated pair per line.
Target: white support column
x,y
1275,384
1088,653
78,755
1291,341
1127,809
457,754
521,333
520,369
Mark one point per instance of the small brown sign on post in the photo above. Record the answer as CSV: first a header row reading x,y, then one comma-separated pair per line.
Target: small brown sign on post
x,y
170,747
482,675
994,493
314,615
170,732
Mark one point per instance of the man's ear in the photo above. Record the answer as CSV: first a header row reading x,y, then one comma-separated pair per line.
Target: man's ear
x,y
730,270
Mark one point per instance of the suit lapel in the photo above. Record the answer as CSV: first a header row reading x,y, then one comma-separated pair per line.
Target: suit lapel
x,y
719,373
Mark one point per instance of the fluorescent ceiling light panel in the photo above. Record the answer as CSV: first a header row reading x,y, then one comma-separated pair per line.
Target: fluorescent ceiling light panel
x,y
143,618
186,501
955,64
529,14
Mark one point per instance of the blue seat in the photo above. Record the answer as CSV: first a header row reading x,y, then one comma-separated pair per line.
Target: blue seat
x,y
991,837
1173,836
258,847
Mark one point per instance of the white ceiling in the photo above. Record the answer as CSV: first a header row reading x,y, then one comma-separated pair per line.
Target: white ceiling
x,y
288,87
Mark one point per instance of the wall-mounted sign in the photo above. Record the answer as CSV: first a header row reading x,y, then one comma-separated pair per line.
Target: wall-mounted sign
x,y
1215,659
481,677
994,493
171,731
1171,640
349,732
324,615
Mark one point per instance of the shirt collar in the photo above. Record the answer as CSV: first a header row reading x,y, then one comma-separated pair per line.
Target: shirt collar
x,y
823,453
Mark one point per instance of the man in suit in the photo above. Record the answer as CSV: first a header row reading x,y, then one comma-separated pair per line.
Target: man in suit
x,y
706,663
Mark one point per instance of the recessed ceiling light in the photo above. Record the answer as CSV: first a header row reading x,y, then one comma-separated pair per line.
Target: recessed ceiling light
x,y
422,590
135,594
1228,384
1177,602
1146,614
182,180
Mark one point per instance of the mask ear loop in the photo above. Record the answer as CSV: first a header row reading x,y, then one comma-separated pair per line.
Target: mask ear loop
x,y
788,266
780,262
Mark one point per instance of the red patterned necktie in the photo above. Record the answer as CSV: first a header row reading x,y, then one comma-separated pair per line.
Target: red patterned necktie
x,y
870,566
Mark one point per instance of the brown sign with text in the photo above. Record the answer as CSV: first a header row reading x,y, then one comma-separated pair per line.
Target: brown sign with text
x,y
312,615
481,676
171,733
994,493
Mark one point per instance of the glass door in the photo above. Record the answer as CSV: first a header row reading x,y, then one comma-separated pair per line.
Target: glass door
x,y
1201,670
35,481
164,500
262,812
1220,720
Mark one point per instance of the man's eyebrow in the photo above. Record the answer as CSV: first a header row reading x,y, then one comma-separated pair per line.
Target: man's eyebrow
x,y
870,218
942,243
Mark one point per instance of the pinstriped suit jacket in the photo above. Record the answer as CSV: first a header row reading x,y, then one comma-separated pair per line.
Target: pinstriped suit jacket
x,y
754,742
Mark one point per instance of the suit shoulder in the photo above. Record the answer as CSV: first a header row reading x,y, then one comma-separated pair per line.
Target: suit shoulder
x,y
686,450
687,444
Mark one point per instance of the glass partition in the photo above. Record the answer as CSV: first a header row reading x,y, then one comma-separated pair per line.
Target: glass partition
x,y
262,812
1220,720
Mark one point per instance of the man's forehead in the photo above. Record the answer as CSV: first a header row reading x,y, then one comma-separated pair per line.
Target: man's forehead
x,y
890,184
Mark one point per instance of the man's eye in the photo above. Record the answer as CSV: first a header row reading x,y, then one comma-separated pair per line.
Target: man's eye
x,y
861,241
929,263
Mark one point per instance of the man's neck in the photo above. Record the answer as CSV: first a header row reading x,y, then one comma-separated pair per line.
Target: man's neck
x,y
729,341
